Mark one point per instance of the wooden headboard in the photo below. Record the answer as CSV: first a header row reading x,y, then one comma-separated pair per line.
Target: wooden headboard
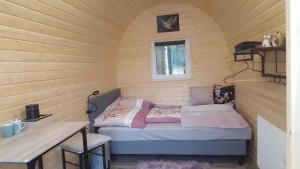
x,y
102,101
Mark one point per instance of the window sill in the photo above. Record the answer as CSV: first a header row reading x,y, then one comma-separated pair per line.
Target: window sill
x,y
171,78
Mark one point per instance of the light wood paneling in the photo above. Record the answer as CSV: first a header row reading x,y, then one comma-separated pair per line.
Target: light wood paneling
x,y
55,52
239,20
49,52
209,54
250,20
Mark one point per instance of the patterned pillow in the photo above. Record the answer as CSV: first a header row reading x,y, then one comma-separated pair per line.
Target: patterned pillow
x,y
224,94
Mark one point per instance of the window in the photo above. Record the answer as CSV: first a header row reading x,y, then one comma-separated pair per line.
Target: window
x,y
171,60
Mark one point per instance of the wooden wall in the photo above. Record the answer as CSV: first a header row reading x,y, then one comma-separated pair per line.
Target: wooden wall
x,y
209,53
56,52
53,53
239,20
250,21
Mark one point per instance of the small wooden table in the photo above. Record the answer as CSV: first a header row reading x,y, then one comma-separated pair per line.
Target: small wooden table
x,y
29,146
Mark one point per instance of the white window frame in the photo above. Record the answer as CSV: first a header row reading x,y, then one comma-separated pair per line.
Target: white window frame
x,y
188,68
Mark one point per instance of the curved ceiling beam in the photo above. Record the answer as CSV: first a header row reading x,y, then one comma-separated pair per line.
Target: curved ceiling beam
x,y
238,19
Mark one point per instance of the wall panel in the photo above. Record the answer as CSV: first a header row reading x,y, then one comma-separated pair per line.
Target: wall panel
x,y
250,21
209,54
55,52
55,57
239,20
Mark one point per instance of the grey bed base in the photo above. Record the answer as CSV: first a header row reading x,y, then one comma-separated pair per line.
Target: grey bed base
x,y
167,147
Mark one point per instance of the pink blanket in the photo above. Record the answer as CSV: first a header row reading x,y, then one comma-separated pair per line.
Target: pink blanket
x,y
215,115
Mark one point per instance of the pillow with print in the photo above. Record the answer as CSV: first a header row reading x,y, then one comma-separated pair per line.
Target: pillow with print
x,y
224,94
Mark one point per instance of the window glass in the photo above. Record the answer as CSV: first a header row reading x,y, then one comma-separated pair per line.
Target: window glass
x,y
170,59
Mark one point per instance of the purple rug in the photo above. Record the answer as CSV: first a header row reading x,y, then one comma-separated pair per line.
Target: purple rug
x,y
165,164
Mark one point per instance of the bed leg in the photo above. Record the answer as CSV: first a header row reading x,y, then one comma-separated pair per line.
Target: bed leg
x,y
241,160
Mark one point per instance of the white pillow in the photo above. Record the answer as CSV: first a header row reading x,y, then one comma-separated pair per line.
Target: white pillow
x,y
201,95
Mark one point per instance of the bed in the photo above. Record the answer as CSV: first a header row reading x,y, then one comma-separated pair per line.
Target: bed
x,y
170,138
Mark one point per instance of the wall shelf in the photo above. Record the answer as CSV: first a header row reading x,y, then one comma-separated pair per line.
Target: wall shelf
x,y
264,53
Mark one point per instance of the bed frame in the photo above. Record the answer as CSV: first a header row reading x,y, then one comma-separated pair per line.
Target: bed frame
x,y
236,148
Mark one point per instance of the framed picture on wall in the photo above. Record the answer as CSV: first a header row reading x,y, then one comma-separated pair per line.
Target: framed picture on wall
x,y
168,23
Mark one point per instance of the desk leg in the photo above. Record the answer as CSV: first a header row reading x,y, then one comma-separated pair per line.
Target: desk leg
x,y
103,156
40,160
85,149
31,164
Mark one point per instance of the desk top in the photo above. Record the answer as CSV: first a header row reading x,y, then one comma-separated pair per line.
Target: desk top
x,y
33,142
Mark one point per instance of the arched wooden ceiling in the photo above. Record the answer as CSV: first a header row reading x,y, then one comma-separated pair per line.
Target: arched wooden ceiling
x,y
238,19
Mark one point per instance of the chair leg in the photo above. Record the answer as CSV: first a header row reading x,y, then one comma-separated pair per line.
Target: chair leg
x,y
108,164
103,156
241,160
63,158
81,161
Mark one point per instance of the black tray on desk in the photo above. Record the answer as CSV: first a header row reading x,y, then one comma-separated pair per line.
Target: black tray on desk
x,y
42,116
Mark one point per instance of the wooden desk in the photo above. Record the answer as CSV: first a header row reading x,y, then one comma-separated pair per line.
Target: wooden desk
x,y
29,146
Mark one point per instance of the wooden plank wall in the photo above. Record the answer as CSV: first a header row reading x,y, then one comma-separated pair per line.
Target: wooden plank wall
x,y
239,20
209,54
250,20
54,53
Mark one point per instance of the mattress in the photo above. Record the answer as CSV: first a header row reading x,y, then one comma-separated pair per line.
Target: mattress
x,y
174,131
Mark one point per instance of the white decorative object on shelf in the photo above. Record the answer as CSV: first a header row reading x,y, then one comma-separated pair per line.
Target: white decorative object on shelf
x,y
267,41
275,42
280,39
